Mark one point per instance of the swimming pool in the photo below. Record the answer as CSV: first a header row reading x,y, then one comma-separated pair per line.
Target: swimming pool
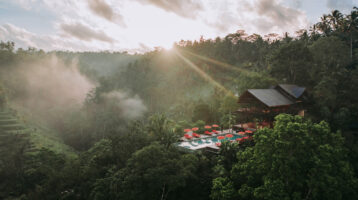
x,y
210,141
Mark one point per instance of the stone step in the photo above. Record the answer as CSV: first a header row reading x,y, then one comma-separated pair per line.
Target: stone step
x,y
22,131
8,121
6,117
11,127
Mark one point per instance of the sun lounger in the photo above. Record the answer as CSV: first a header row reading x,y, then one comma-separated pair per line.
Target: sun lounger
x,y
192,144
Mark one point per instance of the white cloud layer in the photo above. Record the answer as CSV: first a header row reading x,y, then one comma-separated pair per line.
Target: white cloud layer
x,y
140,25
25,39
257,16
85,33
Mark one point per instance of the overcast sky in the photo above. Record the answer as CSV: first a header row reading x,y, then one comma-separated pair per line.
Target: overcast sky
x,y
140,25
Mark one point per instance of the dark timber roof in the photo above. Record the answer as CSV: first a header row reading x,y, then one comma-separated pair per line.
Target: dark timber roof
x,y
270,97
293,90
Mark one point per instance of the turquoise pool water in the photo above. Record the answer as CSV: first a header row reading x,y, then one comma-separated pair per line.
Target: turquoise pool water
x,y
214,139
199,143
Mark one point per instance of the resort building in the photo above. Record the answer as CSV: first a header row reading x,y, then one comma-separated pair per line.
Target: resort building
x,y
258,107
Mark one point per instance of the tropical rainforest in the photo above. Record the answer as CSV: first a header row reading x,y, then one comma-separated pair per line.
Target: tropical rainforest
x,y
103,125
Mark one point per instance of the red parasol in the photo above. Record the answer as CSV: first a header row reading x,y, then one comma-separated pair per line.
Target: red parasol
x,y
214,131
248,131
195,129
241,133
187,136
196,135
221,137
229,135
207,126
207,133
218,144
215,126
187,130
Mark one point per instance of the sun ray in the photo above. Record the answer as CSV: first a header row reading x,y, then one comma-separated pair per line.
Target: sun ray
x,y
203,74
216,62
226,65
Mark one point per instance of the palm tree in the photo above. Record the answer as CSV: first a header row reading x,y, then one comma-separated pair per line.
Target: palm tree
x,y
163,129
228,120
351,23
335,20
324,25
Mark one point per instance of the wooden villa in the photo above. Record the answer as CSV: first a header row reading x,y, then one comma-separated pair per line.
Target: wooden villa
x,y
262,105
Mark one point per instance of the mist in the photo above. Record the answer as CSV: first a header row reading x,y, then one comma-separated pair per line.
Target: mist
x,y
128,107
51,88
48,84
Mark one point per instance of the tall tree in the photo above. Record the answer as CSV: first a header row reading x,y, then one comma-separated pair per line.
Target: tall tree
x,y
297,159
291,62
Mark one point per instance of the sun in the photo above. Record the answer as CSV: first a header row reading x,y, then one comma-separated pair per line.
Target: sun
x,y
167,47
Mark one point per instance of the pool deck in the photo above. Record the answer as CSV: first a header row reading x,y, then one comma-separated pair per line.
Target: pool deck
x,y
226,131
204,141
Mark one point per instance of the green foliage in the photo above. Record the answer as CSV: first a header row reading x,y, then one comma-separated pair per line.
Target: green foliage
x,y
291,61
163,130
253,80
201,125
296,160
228,104
13,149
201,112
3,98
228,120
154,172
330,59
222,189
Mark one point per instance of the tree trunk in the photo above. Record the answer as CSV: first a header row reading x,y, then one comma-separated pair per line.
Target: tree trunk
x,y
308,194
351,47
163,193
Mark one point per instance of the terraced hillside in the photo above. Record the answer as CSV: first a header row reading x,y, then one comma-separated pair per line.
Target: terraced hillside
x,y
39,137
10,124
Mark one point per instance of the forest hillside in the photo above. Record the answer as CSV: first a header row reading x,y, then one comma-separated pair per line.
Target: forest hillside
x,y
104,125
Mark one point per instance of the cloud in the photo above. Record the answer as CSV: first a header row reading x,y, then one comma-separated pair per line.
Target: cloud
x,y
183,8
24,39
276,15
18,35
155,22
227,20
259,16
101,8
84,32
104,10
340,4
